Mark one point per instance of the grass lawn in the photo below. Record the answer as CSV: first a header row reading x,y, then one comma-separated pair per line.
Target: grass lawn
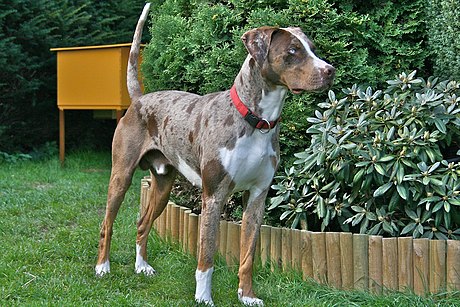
x,y
49,231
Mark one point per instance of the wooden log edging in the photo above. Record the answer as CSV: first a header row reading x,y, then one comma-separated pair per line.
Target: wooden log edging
x,y
341,260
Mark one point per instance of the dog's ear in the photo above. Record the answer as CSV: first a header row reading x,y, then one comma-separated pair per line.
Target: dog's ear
x,y
257,42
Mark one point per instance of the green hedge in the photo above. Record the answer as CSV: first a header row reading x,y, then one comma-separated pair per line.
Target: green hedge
x,y
196,46
444,37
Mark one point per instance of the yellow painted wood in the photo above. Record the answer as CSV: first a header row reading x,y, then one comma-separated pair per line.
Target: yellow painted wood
x,y
93,77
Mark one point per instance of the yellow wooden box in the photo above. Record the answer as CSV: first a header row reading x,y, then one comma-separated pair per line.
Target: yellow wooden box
x,y
92,77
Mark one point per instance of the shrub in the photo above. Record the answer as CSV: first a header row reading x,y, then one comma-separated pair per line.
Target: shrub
x,y
375,163
443,37
196,46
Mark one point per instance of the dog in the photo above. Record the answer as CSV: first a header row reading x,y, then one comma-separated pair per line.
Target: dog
x,y
223,142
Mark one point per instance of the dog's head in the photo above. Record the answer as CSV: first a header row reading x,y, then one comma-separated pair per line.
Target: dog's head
x,y
286,57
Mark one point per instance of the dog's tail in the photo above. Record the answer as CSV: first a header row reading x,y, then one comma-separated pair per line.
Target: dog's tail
x,y
134,87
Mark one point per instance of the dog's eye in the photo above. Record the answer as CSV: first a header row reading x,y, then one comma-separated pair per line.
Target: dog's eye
x,y
292,51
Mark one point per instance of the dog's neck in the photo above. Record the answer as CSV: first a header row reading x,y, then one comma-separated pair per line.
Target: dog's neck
x,y
265,100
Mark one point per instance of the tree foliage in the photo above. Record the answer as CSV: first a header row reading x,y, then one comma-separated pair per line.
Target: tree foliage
x,y
444,37
196,46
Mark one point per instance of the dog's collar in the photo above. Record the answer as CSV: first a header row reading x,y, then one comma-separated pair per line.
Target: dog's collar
x,y
254,120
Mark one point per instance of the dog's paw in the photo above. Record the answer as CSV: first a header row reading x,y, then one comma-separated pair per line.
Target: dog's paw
x,y
145,268
141,265
102,269
249,301
205,302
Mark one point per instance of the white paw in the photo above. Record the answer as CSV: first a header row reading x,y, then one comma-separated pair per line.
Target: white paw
x,y
141,265
145,268
249,301
207,303
102,269
203,287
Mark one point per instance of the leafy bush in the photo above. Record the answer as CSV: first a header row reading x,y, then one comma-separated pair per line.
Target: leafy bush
x,y
443,37
375,162
196,46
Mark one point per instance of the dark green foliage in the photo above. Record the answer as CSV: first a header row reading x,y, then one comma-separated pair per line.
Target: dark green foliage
x,y
444,37
375,163
196,46
28,29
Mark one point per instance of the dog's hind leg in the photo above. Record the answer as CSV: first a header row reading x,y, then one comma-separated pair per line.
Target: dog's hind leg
x,y
254,203
119,184
160,189
124,163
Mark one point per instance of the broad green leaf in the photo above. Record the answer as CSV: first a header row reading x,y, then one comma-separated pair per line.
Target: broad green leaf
x,y
362,163
331,96
394,202
382,189
438,206
348,146
400,174
446,206
454,201
402,191
379,168
275,201
285,214
321,208
359,174
409,228
411,214
440,125
420,229
358,209
435,181
434,167
386,158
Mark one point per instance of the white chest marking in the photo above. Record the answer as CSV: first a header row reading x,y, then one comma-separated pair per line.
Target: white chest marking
x,y
272,103
189,173
249,163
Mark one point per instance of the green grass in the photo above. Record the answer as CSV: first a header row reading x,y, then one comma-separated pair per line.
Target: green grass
x,y
49,230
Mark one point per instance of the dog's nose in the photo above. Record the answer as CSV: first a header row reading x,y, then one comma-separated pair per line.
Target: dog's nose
x,y
329,71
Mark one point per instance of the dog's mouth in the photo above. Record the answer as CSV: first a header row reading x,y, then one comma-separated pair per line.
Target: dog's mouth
x,y
297,91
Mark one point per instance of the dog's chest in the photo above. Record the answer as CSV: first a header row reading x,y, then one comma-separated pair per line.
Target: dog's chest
x,y
251,162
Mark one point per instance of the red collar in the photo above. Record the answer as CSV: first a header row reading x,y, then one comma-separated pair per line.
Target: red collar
x,y
254,120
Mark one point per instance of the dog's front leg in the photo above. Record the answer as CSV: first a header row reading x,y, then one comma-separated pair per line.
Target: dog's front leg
x,y
210,216
252,219
216,189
